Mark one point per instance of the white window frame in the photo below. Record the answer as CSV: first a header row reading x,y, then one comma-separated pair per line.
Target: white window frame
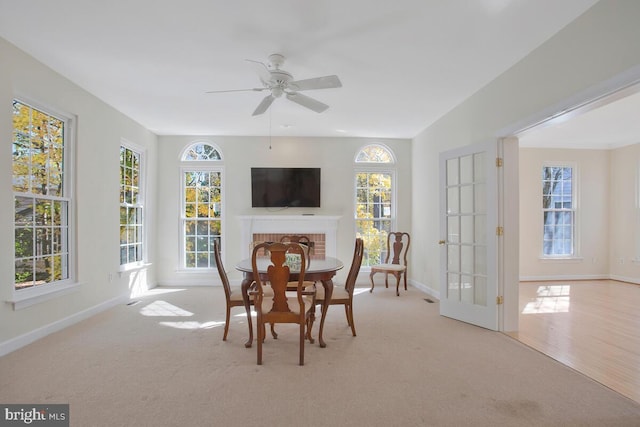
x,y
200,165
375,167
21,298
575,209
141,205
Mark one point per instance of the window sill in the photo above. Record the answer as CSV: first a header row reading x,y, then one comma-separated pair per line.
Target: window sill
x,y
132,267
574,259
29,297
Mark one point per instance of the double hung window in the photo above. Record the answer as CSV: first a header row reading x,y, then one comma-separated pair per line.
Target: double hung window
x,y
559,211
374,200
131,206
202,203
42,196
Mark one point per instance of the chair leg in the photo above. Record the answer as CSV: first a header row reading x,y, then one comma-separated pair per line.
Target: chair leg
x,y
397,284
302,328
386,280
350,318
405,280
260,339
226,324
273,331
371,278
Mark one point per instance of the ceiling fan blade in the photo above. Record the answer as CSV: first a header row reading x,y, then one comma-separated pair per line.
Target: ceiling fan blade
x,y
266,102
261,69
255,89
308,102
326,82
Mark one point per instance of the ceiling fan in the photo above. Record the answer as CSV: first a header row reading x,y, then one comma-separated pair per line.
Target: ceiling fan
x,y
280,82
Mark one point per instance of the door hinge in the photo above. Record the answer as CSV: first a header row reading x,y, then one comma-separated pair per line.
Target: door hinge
x,y
499,300
499,162
499,231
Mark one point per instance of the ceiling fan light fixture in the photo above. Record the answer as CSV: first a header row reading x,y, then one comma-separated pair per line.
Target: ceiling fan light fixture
x,y
280,82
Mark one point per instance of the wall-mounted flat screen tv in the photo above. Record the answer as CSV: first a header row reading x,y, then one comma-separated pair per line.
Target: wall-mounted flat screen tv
x,y
285,187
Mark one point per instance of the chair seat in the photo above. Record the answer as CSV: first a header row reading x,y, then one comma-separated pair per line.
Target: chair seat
x,y
236,294
338,294
292,302
388,267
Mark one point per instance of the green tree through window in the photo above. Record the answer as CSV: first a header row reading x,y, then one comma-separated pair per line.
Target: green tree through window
x,y
41,207
202,205
374,210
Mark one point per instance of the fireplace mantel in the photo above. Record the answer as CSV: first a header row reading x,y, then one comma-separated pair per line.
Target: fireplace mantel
x,y
290,224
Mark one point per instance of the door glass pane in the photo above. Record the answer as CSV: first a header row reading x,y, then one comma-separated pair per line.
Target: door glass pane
x,y
453,229
480,229
466,169
453,286
479,167
453,203
453,258
452,172
480,290
466,259
480,260
480,195
466,198
466,289
466,229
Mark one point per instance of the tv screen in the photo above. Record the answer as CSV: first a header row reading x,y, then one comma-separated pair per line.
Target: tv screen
x,y
285,187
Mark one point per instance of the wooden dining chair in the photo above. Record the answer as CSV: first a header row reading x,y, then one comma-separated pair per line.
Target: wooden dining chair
x,y
344,295
233,295
293,307
396,260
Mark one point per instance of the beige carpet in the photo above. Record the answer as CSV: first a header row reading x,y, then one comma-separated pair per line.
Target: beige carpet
x,y
162,362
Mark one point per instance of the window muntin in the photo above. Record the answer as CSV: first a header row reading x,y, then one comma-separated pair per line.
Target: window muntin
x,y
374,201
559,213
131,207
202,216
202,203
41,198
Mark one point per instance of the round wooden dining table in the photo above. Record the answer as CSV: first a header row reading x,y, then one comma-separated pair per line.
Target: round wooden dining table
x,y
319,270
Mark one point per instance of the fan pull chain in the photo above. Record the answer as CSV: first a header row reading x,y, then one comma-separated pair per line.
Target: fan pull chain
x,y
269,129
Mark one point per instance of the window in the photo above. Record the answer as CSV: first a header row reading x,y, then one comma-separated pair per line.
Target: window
x,y
131,206
558,209
42,201
374,202
201,205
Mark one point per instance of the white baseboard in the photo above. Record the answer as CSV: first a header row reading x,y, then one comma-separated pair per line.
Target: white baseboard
x,y
32,336
633,280
562,277
424,288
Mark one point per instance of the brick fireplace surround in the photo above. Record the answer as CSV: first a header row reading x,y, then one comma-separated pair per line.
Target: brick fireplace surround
x,y
321,229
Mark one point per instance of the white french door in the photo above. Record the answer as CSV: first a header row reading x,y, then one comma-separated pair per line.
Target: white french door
x,y
468,230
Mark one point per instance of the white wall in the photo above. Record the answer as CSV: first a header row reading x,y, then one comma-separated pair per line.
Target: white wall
x,y
598,46
99,132
624,262
592,232
335,156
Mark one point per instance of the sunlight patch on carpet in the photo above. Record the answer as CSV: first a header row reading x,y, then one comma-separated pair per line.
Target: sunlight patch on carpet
x,y
192,325
164,309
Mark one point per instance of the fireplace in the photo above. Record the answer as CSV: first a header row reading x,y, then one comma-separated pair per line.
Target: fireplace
x,y
321,229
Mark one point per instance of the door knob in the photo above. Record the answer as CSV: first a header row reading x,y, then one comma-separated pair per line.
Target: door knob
x,y
442,242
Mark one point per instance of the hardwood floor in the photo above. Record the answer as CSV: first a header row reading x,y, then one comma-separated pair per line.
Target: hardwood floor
x,y
592,326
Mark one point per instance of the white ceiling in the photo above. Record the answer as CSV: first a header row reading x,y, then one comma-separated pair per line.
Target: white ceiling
x,y
403,63
605,124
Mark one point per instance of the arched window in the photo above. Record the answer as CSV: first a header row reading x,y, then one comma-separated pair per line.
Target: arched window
x,y
374,200
201,151
202,175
